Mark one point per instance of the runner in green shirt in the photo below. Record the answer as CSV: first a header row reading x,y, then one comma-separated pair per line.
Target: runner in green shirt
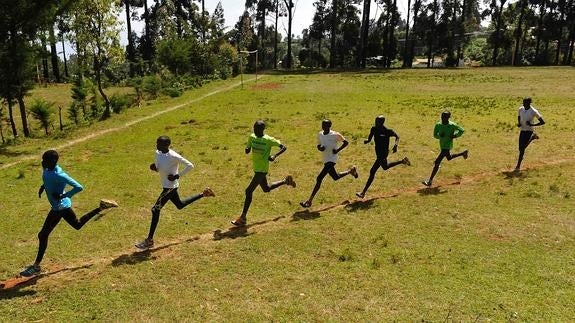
x,y
260,146
445,131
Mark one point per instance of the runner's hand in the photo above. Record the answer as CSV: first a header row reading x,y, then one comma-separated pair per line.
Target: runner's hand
x,y
335,151
173,177
272,158
394,150
58,196
153,167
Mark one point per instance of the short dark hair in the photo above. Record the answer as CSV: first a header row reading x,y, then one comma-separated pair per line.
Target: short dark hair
x,y
165,139
446,113
50,155
326,121
527,99
259,124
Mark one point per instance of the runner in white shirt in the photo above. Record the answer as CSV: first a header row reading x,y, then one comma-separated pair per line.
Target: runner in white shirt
x,y
167,165
525,116
327,141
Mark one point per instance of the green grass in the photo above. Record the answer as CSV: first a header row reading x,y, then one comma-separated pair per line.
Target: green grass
x,y
495,247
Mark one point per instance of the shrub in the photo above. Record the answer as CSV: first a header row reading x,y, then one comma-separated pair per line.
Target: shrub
x,y
42,111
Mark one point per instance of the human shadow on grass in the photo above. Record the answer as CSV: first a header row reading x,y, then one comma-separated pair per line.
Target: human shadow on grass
x,y
431,191
241,232
12,288
305,215
359,205
137,257
514,174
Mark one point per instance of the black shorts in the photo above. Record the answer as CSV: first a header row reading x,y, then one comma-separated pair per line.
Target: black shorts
x,y
524,138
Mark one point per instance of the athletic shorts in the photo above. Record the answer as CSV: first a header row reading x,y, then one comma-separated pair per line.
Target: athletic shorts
x,y
524,138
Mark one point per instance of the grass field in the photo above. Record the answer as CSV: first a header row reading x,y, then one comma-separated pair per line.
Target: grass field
x,y
485,245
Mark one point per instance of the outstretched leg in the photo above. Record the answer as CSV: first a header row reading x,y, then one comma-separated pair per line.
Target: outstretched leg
x,y
256,180
70,216
327,167
372,172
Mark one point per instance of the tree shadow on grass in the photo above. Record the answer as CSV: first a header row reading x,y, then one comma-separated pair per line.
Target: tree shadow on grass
x,y
241,232
137,257
11,288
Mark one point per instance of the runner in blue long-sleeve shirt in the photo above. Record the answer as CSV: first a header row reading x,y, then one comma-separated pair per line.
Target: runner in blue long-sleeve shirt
x,y
55,180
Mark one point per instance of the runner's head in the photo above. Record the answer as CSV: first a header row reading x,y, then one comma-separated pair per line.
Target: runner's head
x,y
259,127
50,159
527,102
379,121
163,143
445,115
326,125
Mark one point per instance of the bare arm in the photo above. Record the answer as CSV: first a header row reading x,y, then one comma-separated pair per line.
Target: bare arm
x,y
282,150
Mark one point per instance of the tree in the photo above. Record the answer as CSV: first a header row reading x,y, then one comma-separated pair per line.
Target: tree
x,y
290,11
364,33
20,22
96,28
496,38
42,111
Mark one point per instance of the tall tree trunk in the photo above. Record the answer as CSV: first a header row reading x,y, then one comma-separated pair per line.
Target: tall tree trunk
x,y
333,30
45,73
147,55
560,24
130,52
261,37
289,4
65,59
519,32
406,58
203,22
416,7
567,56
98,75
461,31
54,55
542,7
498,33
23,115
11,116
276,36
364,34
431,35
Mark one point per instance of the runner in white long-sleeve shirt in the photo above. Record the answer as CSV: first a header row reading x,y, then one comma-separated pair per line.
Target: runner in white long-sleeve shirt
x,y
167,165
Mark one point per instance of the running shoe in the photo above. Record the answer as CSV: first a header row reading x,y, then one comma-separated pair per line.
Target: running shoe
x,y
145,244
208,192
30,271
353,171
289,181
107,204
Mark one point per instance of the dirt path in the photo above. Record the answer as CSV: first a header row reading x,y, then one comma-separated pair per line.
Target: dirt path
x,y
127,124
57,273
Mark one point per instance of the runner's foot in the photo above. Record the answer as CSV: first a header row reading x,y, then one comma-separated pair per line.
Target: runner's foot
x,y
426,183
406,161
305,204
353,171
145,244
360,195
107,204
289,181
208,192
465,154
30,271
239,222
534,136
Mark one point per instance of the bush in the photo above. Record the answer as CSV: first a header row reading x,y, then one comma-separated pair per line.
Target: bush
x,y
172,92
120,102
151,85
